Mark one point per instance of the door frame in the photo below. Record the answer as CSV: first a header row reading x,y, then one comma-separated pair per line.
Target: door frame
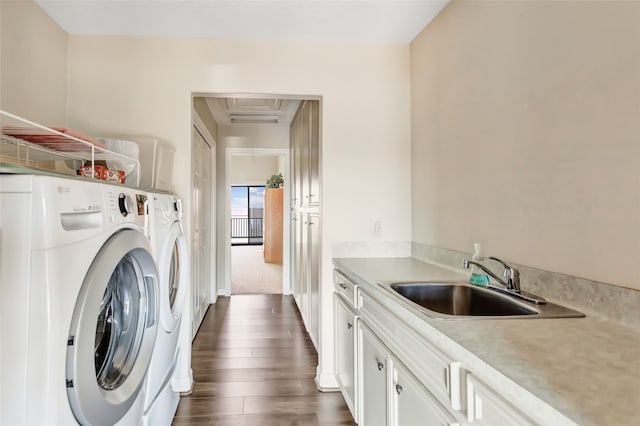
x,y
261,152
183,377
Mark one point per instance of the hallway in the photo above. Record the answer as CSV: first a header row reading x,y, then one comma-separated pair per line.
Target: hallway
x,y
253,364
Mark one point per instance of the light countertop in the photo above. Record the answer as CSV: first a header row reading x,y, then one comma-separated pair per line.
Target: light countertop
x,y
577,370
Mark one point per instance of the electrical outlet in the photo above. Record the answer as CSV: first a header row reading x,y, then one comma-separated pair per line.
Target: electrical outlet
x,y
376,229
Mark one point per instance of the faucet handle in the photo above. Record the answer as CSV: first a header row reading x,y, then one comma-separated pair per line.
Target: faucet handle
x,y
515,278
511,275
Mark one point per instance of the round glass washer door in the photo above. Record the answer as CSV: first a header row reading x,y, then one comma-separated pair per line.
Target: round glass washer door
x,y
173,273
113,330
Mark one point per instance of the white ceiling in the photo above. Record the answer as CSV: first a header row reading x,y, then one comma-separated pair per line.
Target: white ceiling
x,y
342,21
252,110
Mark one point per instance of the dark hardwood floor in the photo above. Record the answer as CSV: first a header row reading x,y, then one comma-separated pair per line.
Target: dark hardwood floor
x,y
253,364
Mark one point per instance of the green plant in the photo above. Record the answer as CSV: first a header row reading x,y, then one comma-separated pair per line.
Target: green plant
x,y
275,181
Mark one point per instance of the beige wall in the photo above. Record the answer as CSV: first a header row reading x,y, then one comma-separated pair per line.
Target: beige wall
x,y
143,85
254,136
33,64
103,85
252,170
526,134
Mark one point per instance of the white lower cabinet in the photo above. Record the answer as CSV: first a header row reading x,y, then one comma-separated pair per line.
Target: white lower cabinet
x,y
392,376
345,346
389,393
485,407
373,367
413,404
305,272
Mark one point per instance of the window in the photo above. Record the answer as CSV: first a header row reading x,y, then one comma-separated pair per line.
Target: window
x,y
247,212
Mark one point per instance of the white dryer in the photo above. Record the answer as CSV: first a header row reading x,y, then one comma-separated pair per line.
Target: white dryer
x,y
169,246
78,312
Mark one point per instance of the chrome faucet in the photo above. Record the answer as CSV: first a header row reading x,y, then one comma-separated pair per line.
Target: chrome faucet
x,y
510,281
511,276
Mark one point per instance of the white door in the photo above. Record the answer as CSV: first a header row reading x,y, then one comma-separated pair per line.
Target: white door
x,y
201,221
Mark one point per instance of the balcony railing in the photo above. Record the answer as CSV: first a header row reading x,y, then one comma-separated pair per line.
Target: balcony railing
x,y
245,230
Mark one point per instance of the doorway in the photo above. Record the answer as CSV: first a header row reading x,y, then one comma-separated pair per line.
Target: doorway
x,y
251,223
250,126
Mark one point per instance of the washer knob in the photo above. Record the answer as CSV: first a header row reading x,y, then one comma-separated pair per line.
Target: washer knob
x,y
125,203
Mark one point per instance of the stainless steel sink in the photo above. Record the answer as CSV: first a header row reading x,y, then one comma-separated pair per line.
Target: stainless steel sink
x,y
456,300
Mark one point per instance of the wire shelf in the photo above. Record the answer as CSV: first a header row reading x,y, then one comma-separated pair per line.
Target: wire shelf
x,y
51,149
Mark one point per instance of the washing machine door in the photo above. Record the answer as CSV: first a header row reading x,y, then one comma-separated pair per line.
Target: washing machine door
x,y
173,271
113,331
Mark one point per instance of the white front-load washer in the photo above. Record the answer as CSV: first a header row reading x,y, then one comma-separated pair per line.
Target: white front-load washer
x,y
169,246
78,305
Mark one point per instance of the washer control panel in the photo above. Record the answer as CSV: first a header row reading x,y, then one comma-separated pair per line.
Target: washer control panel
x,y
125,204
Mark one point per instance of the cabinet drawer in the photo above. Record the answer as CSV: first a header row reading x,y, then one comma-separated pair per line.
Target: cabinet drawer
x,y
486,407
345,288
437,371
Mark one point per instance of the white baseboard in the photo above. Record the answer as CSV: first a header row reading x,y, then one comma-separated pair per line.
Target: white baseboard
x,y
327,383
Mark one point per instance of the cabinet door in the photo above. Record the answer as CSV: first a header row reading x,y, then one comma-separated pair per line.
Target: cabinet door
x,y
345,326
293,177
304,151
296,255
296,146
413,404
485,407
304,271
373,377
313,230
314,153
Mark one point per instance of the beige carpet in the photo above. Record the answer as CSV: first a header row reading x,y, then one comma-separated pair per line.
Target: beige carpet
x,y
249,273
